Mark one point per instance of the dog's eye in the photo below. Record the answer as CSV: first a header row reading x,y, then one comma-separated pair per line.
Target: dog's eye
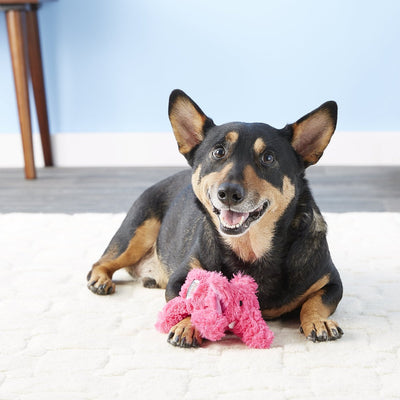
x,y
219,152
267,158
240,303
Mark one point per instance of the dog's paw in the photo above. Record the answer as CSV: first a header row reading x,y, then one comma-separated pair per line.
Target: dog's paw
x,y
321,330
183,334
100,283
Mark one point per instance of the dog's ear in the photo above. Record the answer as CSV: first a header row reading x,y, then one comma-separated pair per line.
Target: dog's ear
x,y
188,122
312,133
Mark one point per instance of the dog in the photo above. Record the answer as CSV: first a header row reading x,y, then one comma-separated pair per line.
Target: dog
x,y
244,206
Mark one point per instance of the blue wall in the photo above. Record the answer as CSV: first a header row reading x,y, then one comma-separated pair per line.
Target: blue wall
x,y
110,65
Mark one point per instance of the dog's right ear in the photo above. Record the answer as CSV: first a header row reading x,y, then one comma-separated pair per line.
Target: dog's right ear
x,y
188,122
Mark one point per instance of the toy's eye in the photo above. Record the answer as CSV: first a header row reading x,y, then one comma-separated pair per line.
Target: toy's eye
x,y
240,303
267,158
218,152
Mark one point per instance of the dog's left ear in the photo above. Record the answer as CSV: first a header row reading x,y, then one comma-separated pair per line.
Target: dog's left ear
x,y
312,133
188,121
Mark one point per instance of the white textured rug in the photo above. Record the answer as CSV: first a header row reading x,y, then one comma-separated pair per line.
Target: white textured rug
x,y
60,341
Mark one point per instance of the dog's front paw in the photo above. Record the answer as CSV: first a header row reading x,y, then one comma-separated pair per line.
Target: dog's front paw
x,y
321,330
100,283
184,334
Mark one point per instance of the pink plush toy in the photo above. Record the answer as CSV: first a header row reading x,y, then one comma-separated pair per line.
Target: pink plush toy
x,y
217,305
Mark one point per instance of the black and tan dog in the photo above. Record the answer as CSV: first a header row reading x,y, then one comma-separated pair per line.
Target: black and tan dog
x,y
244,206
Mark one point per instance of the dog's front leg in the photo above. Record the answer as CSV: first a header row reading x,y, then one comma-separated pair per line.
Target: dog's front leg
x,y
314,316
183,334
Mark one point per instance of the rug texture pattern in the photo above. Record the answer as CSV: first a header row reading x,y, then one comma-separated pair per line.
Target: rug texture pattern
x,y
60,341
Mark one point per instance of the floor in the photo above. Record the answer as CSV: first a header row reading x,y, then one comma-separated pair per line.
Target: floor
x,y
112,190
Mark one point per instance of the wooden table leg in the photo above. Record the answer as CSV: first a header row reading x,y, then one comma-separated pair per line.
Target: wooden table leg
x,y
36,69
17,49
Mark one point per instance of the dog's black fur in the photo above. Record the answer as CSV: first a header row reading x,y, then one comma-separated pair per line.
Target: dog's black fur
x,y
245,205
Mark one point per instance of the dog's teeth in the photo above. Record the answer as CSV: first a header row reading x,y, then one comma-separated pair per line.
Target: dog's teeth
x,y
239,224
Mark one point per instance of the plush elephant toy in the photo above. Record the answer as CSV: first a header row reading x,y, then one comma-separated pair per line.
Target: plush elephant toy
x,y
217,305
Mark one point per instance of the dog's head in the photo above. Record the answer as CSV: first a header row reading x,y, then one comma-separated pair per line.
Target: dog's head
x,y
243,172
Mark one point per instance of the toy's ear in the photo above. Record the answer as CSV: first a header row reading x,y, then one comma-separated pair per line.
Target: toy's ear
x,y
312,133
193,279
188,121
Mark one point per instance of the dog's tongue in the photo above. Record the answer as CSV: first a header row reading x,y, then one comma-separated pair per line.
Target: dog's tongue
x,y
231,218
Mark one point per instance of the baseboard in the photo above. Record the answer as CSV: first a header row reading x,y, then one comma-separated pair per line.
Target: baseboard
x,y
160,149
97,149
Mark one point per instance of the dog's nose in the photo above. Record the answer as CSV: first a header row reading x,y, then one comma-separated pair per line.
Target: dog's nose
x,y
230,193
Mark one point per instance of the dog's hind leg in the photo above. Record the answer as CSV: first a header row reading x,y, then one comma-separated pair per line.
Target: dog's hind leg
x,y
134,245
132,242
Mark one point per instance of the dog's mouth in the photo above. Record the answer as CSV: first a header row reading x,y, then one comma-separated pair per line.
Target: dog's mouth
x,y
237,223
